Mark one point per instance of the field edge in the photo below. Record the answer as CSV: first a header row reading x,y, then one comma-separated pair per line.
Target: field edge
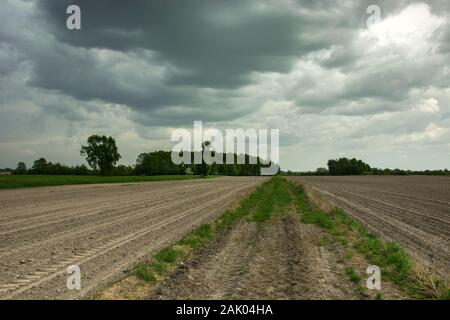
x,y
9,182
414,277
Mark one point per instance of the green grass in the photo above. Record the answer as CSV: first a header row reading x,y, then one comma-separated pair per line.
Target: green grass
x,y
29,181
379,296
204,231
198,237
273,198
353,275
167,255
159,267
158,264
259,206
446,294
394,262
145,273
356,278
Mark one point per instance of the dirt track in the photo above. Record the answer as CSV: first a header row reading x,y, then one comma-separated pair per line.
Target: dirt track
x,y
413,211
104,229
277,260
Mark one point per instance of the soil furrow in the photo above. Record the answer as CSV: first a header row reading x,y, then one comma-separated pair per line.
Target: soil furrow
x,y
117,244
409,210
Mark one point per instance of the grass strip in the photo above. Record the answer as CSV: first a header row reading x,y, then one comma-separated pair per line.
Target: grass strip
x,y
272,196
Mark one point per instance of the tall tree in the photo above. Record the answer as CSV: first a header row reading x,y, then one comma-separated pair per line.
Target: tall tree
x,y
205,146
101,153
21,168
40,166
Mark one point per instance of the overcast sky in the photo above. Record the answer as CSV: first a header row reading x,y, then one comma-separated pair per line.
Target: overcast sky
x,y
136,71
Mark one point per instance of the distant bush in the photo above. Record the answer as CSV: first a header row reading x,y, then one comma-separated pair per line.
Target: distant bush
x,y
6,171
157,163
122,170
400,172
41,166
344,167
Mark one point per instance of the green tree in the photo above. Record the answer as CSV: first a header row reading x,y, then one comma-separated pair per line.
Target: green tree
x,y
205,146
157,163
40,166
345,166
21,168
101,153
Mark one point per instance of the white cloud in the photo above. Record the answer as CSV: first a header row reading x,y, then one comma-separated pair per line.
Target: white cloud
x,y
409,30
430,105
432,132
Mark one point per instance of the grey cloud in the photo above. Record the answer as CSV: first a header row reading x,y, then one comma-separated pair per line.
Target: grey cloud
x,y
210,43
81,74
10,57
365,107
443,34
341,57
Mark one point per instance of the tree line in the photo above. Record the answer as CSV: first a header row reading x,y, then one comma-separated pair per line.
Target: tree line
x,y
159,162
102,155
344,167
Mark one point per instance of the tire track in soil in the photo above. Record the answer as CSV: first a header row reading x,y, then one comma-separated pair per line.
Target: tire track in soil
x,y
39,252
279,259
80,229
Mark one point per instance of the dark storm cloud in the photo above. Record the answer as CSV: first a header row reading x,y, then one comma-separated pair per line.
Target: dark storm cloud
x,y
391,82
204,44
209,43
212,44
82,75
9,59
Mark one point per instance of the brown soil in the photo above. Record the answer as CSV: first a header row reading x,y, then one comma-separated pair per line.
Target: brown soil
x,y
413,211
105,229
